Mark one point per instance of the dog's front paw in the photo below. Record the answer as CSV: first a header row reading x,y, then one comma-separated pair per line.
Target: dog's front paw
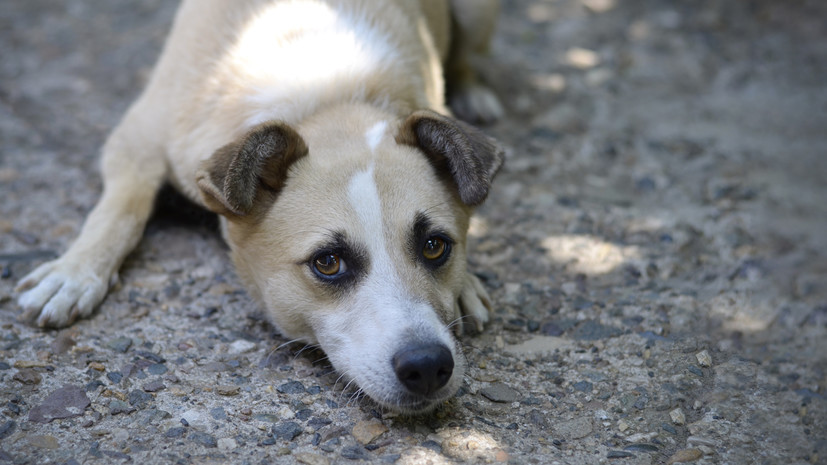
x,y
476,103
58,292
473,305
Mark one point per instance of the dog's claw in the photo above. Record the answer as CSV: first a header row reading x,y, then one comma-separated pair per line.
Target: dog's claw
x,y
58,292
474,305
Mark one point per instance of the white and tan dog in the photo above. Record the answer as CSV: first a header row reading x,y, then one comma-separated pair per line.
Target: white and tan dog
x,y
318,131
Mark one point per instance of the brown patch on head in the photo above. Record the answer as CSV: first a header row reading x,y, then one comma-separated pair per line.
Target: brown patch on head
x,y
468,156
239,174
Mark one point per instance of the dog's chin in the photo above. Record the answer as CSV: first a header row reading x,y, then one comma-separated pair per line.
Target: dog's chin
x,y
409,404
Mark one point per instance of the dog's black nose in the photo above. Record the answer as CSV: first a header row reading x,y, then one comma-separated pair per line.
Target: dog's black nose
x,y
423,368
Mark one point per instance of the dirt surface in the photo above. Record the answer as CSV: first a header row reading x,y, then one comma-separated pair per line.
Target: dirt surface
x,y
655,247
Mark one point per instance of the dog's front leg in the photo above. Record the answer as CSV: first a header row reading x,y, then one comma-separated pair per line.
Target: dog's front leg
x,y
473,305
58,292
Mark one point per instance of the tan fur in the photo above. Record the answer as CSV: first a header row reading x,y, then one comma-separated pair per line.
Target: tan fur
x,y
283,116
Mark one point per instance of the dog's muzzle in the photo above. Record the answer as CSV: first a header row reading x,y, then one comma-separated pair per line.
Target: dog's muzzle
x,y
423,368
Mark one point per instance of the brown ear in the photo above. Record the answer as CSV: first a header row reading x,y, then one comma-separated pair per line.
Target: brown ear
x,y
238,174
466,154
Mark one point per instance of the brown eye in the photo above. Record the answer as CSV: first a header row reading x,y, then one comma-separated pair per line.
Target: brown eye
x,y
328,264
434,248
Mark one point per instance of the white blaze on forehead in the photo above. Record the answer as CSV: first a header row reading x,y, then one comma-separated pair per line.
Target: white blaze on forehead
x,y
373,136
364,198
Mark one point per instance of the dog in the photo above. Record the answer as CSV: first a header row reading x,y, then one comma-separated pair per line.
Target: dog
x,y
319,132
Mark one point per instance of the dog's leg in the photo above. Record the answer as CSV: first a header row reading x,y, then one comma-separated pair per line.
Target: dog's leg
x,y
473,26
473,305
133,169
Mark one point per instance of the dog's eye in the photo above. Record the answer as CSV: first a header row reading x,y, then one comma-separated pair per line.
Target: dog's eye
x,y
435,248
329,265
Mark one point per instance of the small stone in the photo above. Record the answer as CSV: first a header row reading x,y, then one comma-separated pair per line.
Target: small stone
x,y
139,399
622,426
157,369
114,376
116,407
311,459
704,359
176,432
500,392
685,455
196,418
583,386
619,454
43,441
227,444
27,376
355,452
701,441
241,346
7,428
678,417
288,430
292,387
97,366
120,344
205,439
66,402
218,413
154,386
367,431
227,390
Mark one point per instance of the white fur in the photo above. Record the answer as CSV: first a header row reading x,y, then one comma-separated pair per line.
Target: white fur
x,y
345,48
374,135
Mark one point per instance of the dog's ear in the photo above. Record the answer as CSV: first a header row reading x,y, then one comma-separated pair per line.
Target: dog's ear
x,y
239,174
468,156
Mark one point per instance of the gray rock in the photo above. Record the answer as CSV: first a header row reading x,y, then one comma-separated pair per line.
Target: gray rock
x,y
120,344
66,402
500,392
288,430
204,439
292,387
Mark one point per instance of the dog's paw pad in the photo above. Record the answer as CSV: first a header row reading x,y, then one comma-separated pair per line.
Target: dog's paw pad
x,y
474,304
476,103
57,293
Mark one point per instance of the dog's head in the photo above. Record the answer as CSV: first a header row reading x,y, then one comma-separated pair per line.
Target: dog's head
x,y
351,230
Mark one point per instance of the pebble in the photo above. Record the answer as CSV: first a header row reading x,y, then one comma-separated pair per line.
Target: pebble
x,y
224,390
157,369
704,359
27,376
583,386
63,342
677,417
154,386
622,426
138,398
66,402
120,344
196,418
685,455
288,430
701,441
355,452
500,392
241,346
97,366
367,431
176,432
7,428
619,454
116,407
292,387
205,439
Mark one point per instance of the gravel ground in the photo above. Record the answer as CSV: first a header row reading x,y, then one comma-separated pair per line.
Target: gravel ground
x,y
655,247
